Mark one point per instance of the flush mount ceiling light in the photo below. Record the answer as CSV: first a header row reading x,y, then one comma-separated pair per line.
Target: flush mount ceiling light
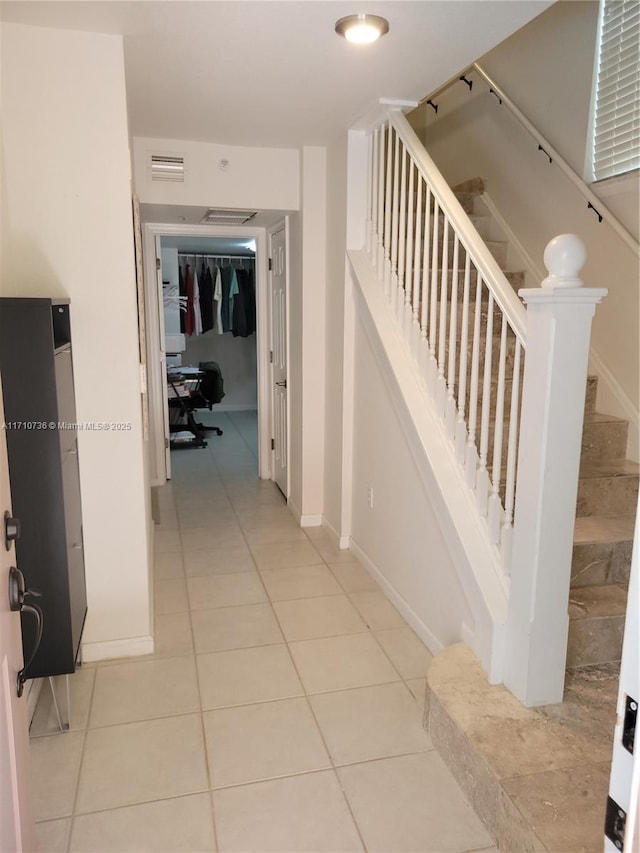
x,y
362,29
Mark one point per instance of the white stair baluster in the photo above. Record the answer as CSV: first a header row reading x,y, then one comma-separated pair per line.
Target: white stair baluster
x,y
402,235
408,271
482,480
450,405
433,308
441,386
471,455
372,247
425,289
512,450
415,307
461,429
387,211
381,201
369,224
495,506
395,214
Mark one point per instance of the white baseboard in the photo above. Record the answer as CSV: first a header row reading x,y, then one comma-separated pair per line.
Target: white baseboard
x,y
310,521
127,648
234,407
343,542
426,635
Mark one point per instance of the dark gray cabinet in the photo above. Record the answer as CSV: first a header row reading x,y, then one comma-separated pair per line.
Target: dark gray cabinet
x,y
40,416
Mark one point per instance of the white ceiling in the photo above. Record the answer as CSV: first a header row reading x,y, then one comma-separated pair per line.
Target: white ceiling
x,y
273,72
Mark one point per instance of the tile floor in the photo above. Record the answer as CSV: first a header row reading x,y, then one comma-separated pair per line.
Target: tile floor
x,y
281,710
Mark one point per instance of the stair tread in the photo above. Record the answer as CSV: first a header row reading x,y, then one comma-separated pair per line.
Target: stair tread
x,y
609,468
597,601
601,418
593,529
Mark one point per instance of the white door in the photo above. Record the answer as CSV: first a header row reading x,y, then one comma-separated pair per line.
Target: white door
x,y
624,786
16,826
279,409
163,359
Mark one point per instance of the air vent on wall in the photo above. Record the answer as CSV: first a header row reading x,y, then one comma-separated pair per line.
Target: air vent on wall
x,y
218,216
165,167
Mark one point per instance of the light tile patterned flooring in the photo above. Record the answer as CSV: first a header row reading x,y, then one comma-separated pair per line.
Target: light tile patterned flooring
x,y
281,710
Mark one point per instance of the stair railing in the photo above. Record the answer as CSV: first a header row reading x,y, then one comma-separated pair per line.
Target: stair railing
x,y
449,293
515,423
594,203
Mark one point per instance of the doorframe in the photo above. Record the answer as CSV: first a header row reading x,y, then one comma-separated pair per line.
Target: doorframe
x,y
151,230
273,229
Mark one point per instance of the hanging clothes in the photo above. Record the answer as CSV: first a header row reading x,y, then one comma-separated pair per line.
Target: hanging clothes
x,y
251,302
217,299
229,292
197,317
240,326
206,298
188,323
182,290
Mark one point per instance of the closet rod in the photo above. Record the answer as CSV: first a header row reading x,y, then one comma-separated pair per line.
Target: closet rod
x,y
217,257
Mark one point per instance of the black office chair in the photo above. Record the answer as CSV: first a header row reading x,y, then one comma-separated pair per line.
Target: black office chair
x,y
210,391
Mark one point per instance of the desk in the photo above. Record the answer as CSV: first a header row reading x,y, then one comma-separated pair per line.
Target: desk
x,y
189,388
182,387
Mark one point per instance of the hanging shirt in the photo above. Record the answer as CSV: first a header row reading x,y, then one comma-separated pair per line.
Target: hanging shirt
x,y
197,317
217,299
229,292
251,303
182,289
188,321
206,298
240,326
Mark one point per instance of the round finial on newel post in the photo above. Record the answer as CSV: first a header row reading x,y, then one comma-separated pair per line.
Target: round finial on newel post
x,y
564,257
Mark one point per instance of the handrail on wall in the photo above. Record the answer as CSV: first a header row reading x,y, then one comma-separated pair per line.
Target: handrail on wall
x,y
593,201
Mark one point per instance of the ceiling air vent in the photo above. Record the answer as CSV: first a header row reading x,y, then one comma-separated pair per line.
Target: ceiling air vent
x,y
165,167
219,216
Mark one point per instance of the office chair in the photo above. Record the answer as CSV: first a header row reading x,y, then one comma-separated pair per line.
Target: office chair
x,y
210,391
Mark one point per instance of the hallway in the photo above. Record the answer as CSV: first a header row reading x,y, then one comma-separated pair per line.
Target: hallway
x,y
281,710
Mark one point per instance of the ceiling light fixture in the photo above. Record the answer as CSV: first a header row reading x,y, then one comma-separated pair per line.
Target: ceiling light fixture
x,y
361,28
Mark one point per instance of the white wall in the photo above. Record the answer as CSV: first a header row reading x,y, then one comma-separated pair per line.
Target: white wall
x,y
546,68
255,178
237,360
295,362
67,231
334,379
400,536
314,282
307,255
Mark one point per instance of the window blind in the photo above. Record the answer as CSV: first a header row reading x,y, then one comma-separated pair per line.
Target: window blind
x,y
616,140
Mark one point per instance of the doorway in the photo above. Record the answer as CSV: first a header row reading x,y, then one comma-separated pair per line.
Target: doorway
x,y
246,367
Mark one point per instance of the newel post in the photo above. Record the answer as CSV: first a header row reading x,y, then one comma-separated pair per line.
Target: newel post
x,y
559,316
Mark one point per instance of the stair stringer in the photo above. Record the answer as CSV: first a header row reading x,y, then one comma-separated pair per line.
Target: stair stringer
x,y
476,560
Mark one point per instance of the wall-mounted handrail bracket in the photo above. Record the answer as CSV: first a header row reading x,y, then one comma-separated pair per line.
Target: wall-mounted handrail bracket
x,y
546,153
493,92
435,106
467,81
595,210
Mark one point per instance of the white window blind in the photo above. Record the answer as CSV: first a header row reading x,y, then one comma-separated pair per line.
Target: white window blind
x,y
616,139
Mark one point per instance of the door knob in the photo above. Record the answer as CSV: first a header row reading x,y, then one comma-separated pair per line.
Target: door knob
x,y
11,530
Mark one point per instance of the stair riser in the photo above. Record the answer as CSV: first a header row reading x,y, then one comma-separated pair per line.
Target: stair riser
x,y
595,640
601,563
607,495
604,440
